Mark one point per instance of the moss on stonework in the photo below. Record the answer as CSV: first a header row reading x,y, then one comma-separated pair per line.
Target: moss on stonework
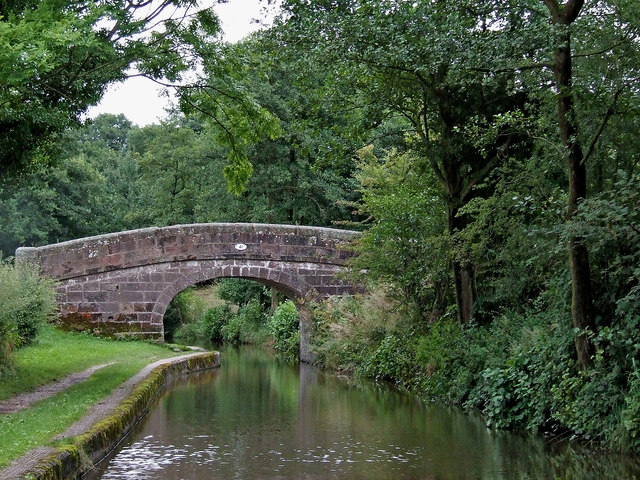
x,y
125,326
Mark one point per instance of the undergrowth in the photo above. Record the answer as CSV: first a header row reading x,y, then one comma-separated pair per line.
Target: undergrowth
x,y
519,370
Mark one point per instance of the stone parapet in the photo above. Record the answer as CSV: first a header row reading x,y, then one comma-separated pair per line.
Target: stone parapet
x,y
207,241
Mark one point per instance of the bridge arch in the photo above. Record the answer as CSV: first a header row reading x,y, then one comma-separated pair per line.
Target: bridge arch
x,y
122,283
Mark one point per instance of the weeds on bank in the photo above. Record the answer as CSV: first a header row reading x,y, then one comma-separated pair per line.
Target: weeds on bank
x,y
519,370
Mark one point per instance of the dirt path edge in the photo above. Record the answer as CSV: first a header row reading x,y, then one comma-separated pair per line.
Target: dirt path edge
x,y
106,423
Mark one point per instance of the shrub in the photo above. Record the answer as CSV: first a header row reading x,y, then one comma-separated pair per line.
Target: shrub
x,y
284,325
403,247
212,322
448,361
600,403
247,326
348,330
27,301
207,328
188,318
630,436
185,308
393,360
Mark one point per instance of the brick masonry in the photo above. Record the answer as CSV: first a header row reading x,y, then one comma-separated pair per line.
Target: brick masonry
x,y
122,283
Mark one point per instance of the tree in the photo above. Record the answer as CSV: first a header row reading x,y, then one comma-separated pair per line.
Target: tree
x,y
405,244
173,170
563,16
58,56
291,181
231,112
52,205
408,60
582,314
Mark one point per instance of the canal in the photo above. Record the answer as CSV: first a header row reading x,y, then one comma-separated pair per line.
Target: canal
x,y
256,418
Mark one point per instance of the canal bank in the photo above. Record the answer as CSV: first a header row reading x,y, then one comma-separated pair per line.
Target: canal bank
x,y
107,422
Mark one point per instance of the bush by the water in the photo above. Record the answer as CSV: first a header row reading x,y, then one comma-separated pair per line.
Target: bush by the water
x,y
519,371
27,301
247,326
248,322
192,322
284,327
207,328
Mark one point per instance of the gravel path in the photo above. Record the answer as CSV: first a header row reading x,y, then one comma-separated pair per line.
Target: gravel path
x,y
25,400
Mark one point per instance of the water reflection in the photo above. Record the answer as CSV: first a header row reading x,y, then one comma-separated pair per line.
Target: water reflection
x,y
257,419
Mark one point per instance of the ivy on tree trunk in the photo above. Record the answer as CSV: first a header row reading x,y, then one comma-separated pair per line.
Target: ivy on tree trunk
x,y
582,314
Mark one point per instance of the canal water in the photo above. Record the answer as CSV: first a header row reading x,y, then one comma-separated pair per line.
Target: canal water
x,y
255,418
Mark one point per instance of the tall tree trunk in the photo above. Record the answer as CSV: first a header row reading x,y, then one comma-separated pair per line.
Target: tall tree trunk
x,y
582,314
275,300
463,271
449,175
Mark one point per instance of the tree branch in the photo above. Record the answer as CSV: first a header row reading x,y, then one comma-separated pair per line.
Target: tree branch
x,y
564,14
554,8
571,10
608,114
490,165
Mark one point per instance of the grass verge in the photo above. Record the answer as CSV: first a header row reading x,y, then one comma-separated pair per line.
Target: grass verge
x,y
54,356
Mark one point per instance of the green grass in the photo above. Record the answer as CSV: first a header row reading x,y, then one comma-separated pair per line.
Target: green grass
x,y
209,295
54,356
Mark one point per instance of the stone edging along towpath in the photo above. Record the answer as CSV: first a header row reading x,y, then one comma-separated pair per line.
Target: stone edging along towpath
x,y
106,423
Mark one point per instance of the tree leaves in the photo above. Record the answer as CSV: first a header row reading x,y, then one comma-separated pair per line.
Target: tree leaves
x,y
58,56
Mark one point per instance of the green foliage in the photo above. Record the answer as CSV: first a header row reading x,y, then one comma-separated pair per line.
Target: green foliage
x,y
284,326
393,359
184,308
207,328
301,177
247,326
230,110
238,291
630,416
514,237
173,166
608,223
194,323
403,246
27,302
399,60
514,390
212,321
449,364
53,204
368,336
58,56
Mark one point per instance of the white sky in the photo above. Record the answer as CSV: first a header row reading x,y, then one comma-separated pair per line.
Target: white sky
x,y
142,101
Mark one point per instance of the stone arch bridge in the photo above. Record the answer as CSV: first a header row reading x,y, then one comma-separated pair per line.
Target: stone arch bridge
x,y
122,283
